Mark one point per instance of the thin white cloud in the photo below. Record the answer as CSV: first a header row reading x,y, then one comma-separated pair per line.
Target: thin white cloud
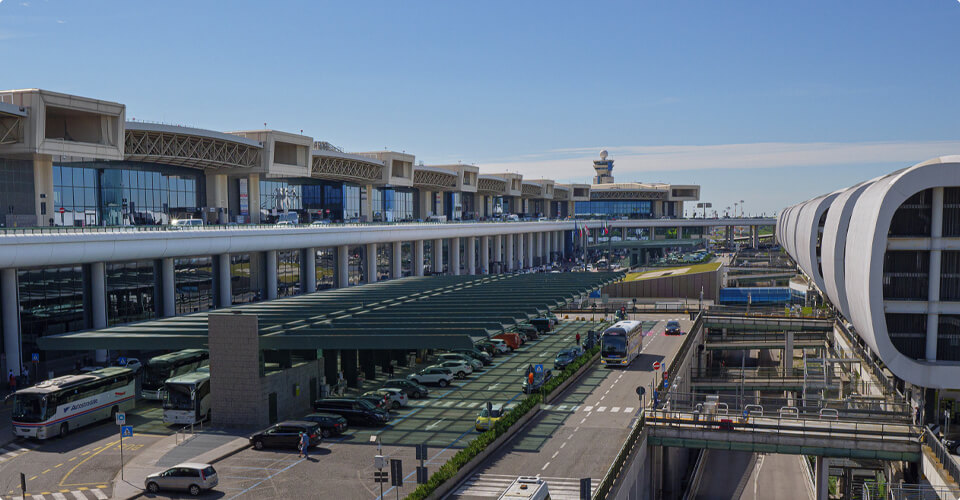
x,y
574,163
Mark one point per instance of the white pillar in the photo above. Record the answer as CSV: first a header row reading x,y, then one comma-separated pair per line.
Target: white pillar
x,y
270,263
471,255
508,253
98,301
396,260
438,256
169,287
530,248
224,290
933,290
485,255
561,248
371,262
455,256
343,267
308,275
521,244
10,310
548,239
418,258
498,253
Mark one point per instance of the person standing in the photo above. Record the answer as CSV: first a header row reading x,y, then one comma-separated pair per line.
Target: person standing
x,y
304,445
26,375
946,421
12,381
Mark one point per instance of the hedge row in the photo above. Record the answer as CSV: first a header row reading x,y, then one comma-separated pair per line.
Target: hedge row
x,y
464,456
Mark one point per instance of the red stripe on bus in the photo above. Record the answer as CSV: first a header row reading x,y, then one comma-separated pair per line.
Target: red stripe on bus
x,y
71,416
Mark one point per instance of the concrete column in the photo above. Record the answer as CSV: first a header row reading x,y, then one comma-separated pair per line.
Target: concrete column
x,y
10,312
455,256
370,261
508,260
787,361
223,284
755,230
330,367
169,288
217,197
308,272
418,258
497,254
438,256
253,188
531,249
368,363
342,268
821,472
471,255
933,290
366,203
43,189
270,264
519,238
548,240
98,301
396,260
485,255
348,363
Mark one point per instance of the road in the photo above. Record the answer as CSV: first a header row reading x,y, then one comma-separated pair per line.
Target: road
x,y
590,420
343,467
778,477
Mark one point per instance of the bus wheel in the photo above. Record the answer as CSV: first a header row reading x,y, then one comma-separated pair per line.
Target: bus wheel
x,y
64,429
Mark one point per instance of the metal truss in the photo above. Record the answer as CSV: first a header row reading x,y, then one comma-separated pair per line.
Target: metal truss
x,y
616,194
11,130
435,180
488,185
531,190
560,194
345,169
188,150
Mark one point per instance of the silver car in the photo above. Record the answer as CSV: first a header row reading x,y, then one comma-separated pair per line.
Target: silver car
x,y
191,477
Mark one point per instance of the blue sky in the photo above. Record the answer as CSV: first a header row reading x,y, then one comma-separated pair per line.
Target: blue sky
x,y
770,102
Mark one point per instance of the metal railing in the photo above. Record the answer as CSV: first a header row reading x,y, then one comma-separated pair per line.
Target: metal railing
x,y
943,455
873,491
853,407
190,429
855,342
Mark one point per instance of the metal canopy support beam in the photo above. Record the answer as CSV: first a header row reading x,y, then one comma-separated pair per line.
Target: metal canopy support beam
x,y
438,256
222,284
168,287
10,311
308,260
270,264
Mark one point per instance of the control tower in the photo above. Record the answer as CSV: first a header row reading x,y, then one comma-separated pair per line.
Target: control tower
x,y
604,168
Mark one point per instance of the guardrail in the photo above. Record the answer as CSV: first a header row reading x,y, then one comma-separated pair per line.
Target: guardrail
x,y
686,349
856,344
853,408
944,456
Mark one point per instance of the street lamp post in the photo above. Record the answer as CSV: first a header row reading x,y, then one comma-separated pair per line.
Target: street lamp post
x,y
741,208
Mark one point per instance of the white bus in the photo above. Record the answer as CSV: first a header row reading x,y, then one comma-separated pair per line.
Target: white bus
x,y
621,343
54,407
186,398
160,368
527,488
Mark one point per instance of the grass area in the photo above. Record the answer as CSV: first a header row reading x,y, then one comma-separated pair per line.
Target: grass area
x,y
674,271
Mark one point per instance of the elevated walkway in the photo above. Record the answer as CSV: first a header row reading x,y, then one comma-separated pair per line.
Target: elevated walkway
x,y
766,323
739,344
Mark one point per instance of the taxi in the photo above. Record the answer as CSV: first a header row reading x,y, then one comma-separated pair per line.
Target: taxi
x,y
488,416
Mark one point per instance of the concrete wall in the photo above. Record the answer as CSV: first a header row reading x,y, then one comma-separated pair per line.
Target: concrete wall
x,y
291,404
684,286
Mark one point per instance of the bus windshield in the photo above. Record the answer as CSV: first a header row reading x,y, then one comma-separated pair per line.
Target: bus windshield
x,y
156,373
177,397
29,407
614,345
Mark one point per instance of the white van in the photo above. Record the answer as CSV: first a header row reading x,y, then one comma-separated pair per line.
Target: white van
x,y
187,222
527,488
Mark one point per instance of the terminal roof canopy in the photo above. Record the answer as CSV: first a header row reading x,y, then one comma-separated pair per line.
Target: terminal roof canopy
x,y
409,313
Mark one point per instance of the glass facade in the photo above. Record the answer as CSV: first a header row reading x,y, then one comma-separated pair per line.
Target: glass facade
x,y
276,196
51,302
326,265
131,291
392,205
193,279
384,255
354,265
453,203
632,209
288,273
244,280
16,190
123,193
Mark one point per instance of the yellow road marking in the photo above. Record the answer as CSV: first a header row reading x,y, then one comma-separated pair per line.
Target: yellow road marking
x,y
32,478
72,459
63,481
64,491
46,471
58,465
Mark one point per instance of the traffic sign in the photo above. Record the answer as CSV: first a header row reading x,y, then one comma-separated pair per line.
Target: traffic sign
x,y
396,472
641,390
538,369
121,418
422,475
122,361
665,375
380,477
422,452
62,210
126,431
585,488
656,365
35,357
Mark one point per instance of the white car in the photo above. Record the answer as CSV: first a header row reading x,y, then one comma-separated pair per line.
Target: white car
x,y
396,397
502,346
458,367
476,364
432,375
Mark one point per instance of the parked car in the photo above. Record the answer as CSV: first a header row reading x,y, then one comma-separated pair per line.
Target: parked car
x,y
131,363
538,381
543,325
320,222
330,424
532,332
410,388
357,411
673,328
512,339
432,375
488,416
286,435
483,357
564,358
194,478
459,367
380,401
475,364
395,398
487,347
186,222
501,345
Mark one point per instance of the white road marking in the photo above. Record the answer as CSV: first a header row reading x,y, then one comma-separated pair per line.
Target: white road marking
x,y
431,426
58,496
99,494
588,409
545,466
628,409
563,444
555,454
493,386
615,409
601,409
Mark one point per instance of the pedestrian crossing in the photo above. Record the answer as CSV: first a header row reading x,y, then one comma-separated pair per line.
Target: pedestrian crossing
x,y
81,494
588,409
453,403
493,485
14,450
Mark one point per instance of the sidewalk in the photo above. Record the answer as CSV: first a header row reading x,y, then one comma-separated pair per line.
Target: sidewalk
x,y
204,448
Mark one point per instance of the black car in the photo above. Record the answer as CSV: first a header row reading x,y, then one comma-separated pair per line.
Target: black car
x,y
529,330
411,389
286,435
564,358
542,325
487,347
330,424
480,356
952,445
673,328
357,411
378,400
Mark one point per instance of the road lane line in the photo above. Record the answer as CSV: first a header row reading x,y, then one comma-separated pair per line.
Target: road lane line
x,y
563,444
99,494
555,454
628,409
545,466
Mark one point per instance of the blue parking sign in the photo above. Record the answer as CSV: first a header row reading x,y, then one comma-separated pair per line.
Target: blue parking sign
x,y
35,357
122,361
537,368
126,431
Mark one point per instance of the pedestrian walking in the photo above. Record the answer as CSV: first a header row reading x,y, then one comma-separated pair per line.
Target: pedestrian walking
x,y
304,445
26,375
12,380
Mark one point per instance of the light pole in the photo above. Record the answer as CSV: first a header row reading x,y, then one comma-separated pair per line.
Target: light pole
x,y
741,208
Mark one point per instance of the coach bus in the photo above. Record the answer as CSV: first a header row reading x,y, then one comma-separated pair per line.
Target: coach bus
x,y
160,368
186,398
54,407
621,343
